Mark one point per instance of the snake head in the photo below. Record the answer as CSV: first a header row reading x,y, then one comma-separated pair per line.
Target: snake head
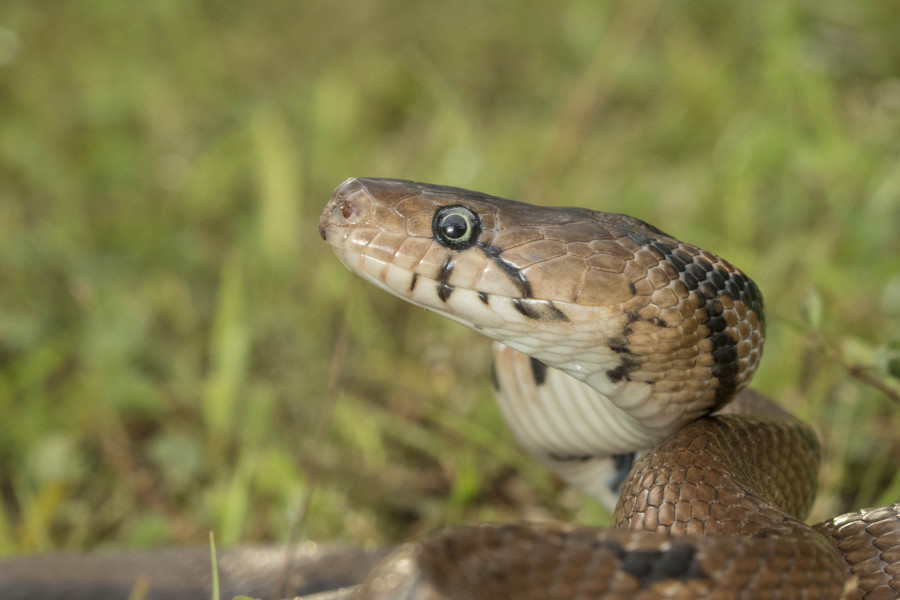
x,y
607,298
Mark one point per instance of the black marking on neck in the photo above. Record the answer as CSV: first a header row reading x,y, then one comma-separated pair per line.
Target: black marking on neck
x,y
524,308
622,464
618,345
696,271
652,566
724,352
538,371
632,288
623,372
750,295
516,276
491,251
698,274
483,296
569,457
413,282
495,382
540,310
613,547
641,238
630,317
444,289
660,247
713,284
512,271
708,284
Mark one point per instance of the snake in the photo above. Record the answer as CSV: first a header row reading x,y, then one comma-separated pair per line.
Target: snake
x,y
622,358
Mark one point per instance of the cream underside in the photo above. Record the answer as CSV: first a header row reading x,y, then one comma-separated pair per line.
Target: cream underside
x,y
568,426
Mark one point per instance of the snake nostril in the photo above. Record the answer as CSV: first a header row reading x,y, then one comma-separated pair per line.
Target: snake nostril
x,y
346,210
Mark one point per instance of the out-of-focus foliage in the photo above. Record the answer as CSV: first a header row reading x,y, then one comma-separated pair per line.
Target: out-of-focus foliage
x,y
169,316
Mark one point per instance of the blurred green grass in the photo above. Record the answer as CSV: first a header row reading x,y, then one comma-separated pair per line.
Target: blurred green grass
x,y
169,315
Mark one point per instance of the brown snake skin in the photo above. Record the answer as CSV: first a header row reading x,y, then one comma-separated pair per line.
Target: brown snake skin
x,y
659,334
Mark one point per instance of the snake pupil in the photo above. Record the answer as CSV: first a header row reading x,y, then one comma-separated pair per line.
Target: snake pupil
x,y
456,227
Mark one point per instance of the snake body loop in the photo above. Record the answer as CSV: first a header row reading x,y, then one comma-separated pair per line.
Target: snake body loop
x,y
618,349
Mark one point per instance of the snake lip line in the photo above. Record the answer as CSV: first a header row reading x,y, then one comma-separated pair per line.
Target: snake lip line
x,y
381,273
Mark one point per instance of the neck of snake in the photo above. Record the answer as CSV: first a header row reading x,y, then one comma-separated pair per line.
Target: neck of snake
x,y
569,426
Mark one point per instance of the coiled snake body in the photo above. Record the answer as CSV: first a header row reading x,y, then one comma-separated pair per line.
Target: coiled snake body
x,y
615,344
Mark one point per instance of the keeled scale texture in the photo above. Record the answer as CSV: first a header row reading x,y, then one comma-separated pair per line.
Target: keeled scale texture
x,y
869,541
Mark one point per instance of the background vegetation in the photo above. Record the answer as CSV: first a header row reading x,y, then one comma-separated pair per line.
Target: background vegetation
x,y
172,328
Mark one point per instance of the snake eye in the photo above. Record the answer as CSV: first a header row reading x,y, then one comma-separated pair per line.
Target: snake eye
x,y
456,227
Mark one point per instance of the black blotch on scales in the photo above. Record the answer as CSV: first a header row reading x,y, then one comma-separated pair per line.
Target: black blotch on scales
x,y
444,289
538,371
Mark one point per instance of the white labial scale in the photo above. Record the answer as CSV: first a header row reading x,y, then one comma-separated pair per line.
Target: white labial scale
x,y
377,269
462,306
366,267
472,312
397,279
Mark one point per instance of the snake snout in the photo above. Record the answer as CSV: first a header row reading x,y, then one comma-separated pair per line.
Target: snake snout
x,y
350,205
